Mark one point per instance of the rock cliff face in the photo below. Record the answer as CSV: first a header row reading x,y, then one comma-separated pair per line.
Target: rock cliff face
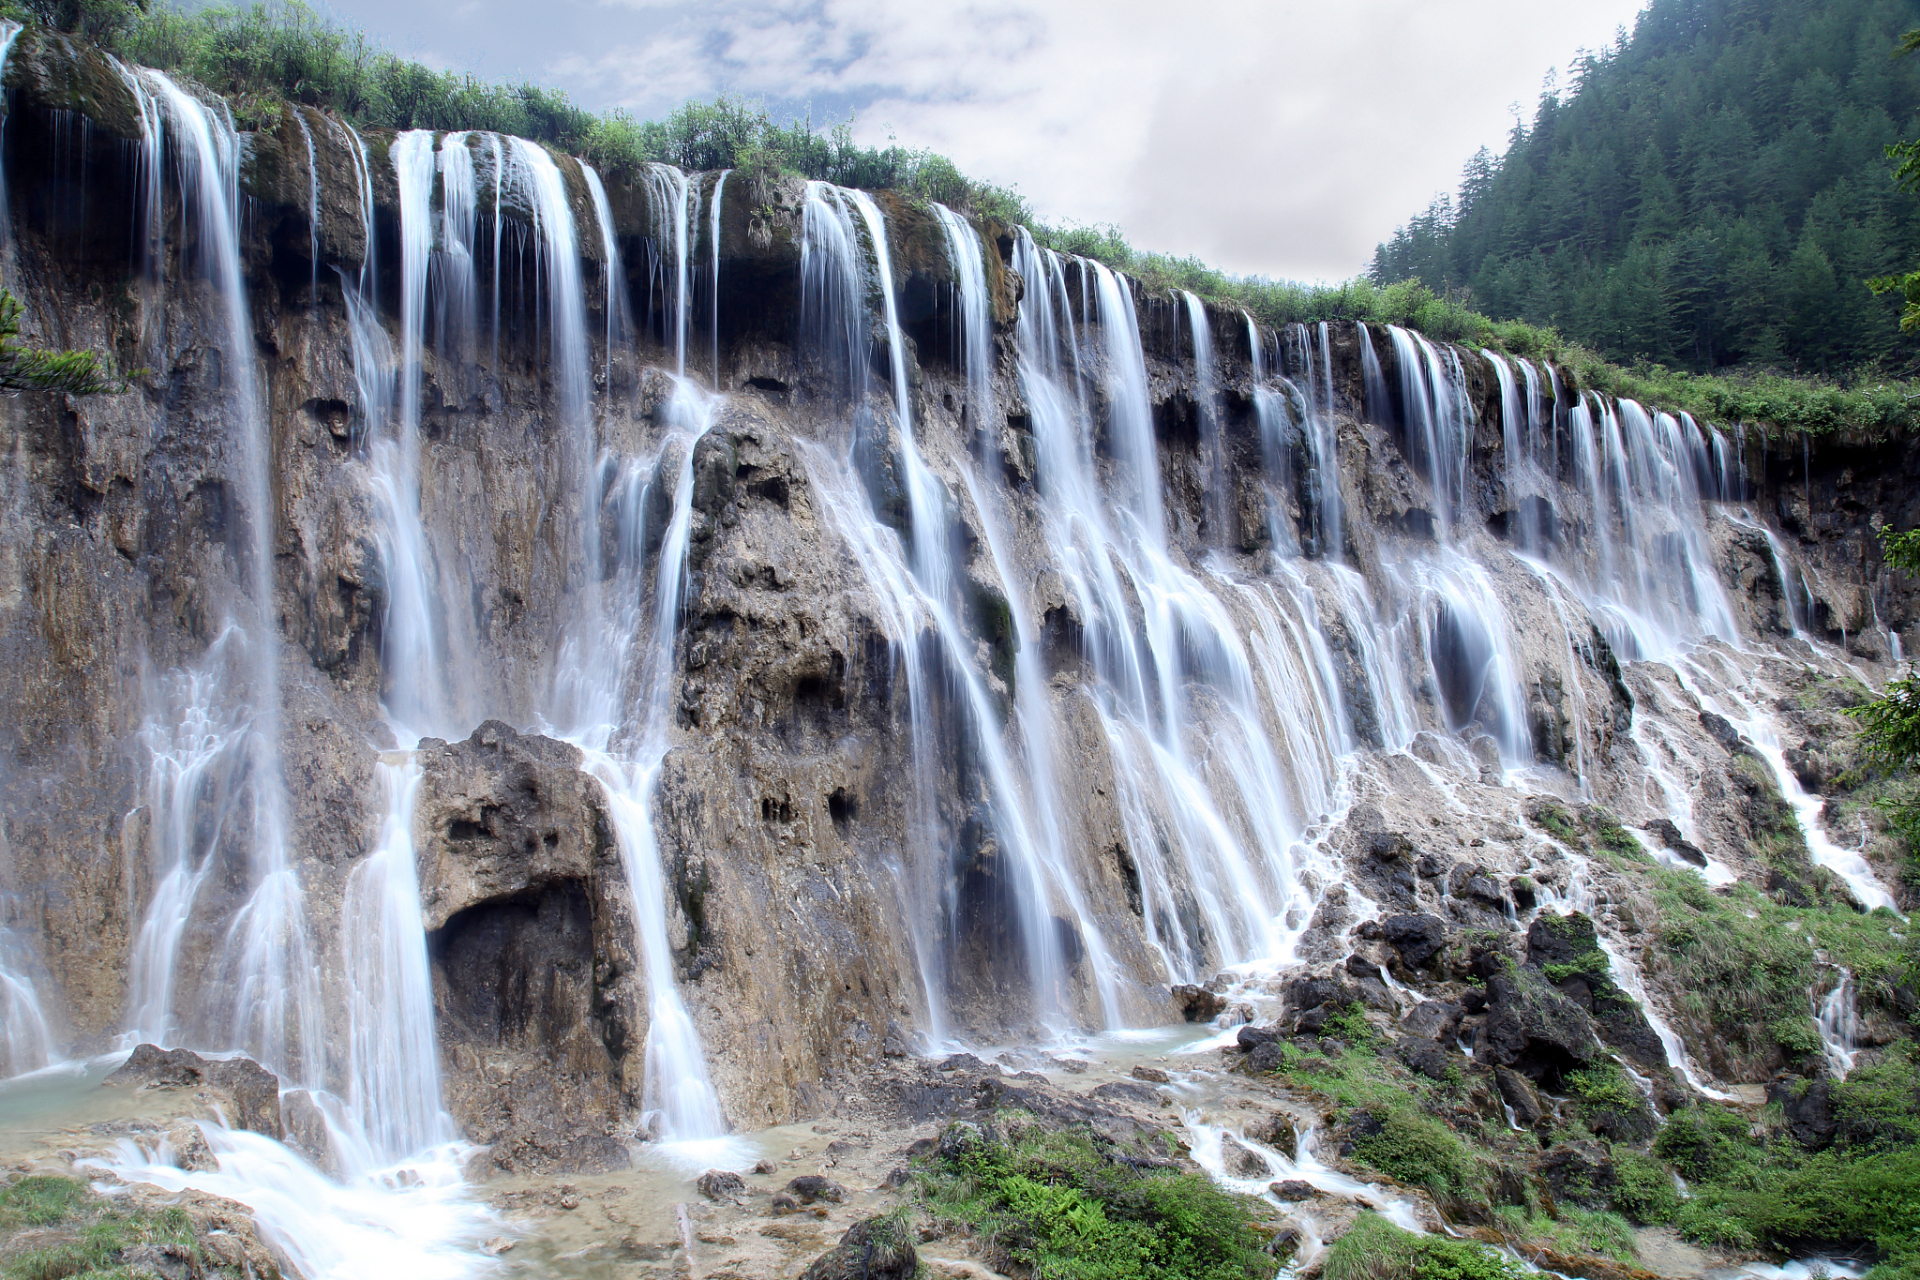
x,y
947,746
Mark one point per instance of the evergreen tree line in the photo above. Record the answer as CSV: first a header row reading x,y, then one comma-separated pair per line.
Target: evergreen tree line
x,y
1713,191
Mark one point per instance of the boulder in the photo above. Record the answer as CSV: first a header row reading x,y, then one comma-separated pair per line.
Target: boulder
x,y
187,1148
1276,1131
1423,1057
872,1249
1433,1020
1152,1075
306,1130
1417,938
1242,1161
248,1094
1250,1037
1292,1190
1520,1095
1578,1173
1534,1029
809,1187
1807,1107
1664,830
1197,1004
721,1184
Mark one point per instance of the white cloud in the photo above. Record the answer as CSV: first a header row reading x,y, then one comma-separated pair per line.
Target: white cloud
x,y
1281,137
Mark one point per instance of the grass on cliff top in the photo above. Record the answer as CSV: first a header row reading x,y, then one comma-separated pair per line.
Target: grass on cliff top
x,y
261,55
1069,1205
67,1230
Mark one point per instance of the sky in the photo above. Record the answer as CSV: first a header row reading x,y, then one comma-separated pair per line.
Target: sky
x,y
1284,138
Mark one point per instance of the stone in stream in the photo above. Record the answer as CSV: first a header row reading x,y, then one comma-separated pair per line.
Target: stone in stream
x,y
1197,1004
1242,1161
250,1093
872,1249
809,1187
721,1184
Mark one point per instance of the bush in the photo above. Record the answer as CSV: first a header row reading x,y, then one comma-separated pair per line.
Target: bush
x,y
1069,1205
1423,1152
1643,1191
1375,1249
1705,1141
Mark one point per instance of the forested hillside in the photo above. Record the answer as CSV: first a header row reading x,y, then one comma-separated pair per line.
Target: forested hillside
x,y
1712,191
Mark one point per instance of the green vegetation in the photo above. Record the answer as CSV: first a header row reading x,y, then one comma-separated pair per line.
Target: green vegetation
x,y
1742,964
82,1234
1375,1249
1643,1191
1420,1151
1069,1204
1594,964
1890,724
1864,1189
1710,192
24,368
1576,1230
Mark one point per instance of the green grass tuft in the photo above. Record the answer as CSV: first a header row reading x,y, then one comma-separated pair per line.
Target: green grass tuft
x,y
1375,1249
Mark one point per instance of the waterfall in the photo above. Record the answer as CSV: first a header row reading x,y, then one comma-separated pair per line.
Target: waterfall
x,y
313,203
1217,841
1213,445
1838,1017
625,739
1312,355
713,238
1377,406
1437,421
264,957
1273,417
917,585
613,278
965,254
675,205
1517,419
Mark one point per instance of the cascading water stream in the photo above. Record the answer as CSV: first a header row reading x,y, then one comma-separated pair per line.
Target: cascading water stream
x,y
614,285
965,253
625,740
1230,823
264,957
1837,1014
675,205
924,597
713,239
1213,445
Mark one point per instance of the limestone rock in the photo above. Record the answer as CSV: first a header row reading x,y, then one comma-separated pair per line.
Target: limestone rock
x,y
248,1094
872,1249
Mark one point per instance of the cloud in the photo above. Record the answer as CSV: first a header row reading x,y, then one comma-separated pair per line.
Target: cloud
x,y
1271,136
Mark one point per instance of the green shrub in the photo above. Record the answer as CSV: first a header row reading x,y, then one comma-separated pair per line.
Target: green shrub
x,y
1643,1190
1576,1230
1705,1141
1375,1249
1421,1151
1594,964
1070,1205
